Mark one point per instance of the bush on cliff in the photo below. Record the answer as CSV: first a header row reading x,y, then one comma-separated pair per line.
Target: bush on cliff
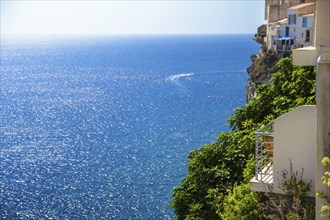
x,y
216,168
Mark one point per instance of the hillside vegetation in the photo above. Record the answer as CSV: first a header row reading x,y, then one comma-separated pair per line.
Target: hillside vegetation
x,y
217,183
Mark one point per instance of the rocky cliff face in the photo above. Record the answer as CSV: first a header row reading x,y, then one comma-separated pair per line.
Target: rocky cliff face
x,y
263,65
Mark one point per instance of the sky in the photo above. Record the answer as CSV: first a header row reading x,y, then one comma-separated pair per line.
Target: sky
x,y
111,17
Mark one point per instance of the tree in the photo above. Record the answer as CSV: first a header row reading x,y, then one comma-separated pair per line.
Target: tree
x,y
242,202
216,169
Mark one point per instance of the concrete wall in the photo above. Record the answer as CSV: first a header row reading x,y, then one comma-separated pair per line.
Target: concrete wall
x,y
322,23
305,56
323,126
295,140
322,44
277,9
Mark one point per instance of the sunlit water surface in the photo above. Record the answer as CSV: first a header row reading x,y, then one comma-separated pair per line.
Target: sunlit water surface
x,y
100,127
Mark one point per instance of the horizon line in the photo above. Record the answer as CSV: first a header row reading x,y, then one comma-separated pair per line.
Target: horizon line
x,y
120,34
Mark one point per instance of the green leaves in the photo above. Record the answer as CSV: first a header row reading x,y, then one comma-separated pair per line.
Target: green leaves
x,y
212,171
242,204
289,88
325,161
326,181
212,189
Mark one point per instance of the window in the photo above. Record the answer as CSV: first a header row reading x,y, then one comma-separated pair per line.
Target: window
x,y
304,22
307,35
289,19
287,31
292,19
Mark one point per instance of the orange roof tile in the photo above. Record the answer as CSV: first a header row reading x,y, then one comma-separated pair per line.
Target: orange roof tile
x,y
307,15
300,6
282,21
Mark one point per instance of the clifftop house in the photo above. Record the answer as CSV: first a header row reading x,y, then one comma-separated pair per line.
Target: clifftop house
x,y
293,29
290,24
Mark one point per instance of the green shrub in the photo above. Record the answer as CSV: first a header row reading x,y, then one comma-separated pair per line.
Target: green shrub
x,y
214,169
325,209
294,203
242,203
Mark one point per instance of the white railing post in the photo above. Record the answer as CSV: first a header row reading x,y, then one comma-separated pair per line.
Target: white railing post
x,y
264,152
257,157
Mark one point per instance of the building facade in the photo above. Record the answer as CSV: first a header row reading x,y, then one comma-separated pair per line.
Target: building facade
x,y
276,14
307,141
296,30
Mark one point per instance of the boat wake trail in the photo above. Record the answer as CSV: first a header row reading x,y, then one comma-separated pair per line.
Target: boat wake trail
x,y
178,76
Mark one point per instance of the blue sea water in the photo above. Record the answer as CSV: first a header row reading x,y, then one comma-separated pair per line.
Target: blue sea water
x,y
100,127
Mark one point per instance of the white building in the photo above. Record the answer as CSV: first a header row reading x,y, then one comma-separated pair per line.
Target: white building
x,y
276,10
296,30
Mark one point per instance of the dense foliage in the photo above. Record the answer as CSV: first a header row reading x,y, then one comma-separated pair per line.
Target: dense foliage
x,y
242,202
325,209
217,168
294,204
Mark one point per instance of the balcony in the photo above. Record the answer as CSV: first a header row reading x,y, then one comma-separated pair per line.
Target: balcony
x,y
264,156
306,56
284,44
290,137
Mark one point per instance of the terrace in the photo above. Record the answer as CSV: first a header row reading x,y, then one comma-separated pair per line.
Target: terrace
x,y
288,139
264,154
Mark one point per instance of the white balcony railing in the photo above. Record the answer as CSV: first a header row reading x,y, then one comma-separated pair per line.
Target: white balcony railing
x,y
264,154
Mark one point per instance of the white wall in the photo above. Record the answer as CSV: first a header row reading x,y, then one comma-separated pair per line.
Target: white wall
x,y
292,26
299,30
296,30
295,140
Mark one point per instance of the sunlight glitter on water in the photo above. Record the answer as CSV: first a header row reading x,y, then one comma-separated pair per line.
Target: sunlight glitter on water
x,y
97,132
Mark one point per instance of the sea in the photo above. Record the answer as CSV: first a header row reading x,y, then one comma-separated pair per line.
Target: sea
x,y
100,127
